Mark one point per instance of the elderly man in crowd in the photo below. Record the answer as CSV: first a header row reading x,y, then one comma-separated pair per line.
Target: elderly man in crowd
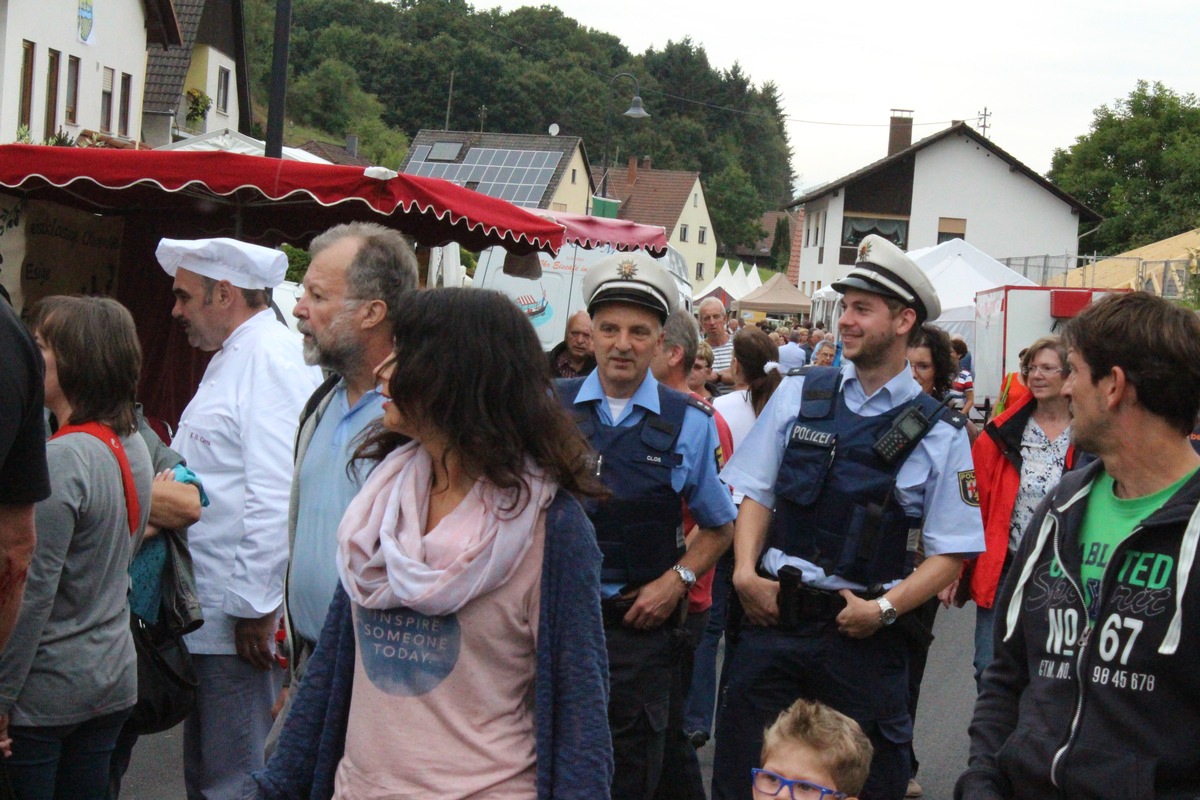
x,y
654,448
712,324
572,357
237,432
353,287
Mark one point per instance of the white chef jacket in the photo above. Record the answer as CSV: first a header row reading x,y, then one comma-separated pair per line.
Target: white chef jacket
x,y
237,434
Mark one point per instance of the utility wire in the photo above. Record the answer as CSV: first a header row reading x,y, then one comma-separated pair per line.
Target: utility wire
x,y
714,106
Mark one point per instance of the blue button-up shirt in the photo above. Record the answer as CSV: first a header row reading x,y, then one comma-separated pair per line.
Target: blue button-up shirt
x,y
326,491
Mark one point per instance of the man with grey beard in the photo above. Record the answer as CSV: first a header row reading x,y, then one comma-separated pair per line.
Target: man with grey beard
x,y
355,283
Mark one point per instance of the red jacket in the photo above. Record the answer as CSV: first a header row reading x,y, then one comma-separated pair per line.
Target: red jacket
x,y
997,456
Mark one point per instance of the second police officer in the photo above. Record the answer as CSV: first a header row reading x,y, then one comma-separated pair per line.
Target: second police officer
x,y
653,447
848,473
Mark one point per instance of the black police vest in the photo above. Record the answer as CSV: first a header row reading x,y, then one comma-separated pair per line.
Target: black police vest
x,y
640,527
835,498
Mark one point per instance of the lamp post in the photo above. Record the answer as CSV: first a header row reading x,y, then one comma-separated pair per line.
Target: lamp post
x,y
636,111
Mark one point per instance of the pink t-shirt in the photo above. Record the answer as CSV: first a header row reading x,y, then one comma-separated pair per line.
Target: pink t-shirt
x,y
444,706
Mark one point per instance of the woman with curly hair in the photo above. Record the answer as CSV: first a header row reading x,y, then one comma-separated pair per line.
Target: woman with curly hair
x,y
463,654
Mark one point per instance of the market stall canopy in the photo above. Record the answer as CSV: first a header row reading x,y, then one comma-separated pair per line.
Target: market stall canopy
x,y
267,200
621,234
776,296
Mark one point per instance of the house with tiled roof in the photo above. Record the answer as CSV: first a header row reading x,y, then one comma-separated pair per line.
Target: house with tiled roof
x,y
78,66
953,184
206,68
673,199
336,154
528,170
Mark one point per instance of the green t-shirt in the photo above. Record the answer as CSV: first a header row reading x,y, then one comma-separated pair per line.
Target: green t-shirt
x,y
1106,523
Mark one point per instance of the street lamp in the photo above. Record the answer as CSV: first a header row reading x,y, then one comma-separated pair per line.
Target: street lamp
x,y
636,111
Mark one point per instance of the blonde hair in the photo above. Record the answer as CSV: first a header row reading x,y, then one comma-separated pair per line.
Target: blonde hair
x,y
836,740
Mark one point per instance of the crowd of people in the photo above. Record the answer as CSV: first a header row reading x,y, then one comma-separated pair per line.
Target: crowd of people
x,y
381,575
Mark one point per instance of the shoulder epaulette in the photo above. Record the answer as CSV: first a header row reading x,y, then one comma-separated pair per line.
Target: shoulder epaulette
x,y
703,405
954,418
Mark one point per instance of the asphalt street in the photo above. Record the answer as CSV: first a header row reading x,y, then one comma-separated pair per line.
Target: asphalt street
x,y
947,695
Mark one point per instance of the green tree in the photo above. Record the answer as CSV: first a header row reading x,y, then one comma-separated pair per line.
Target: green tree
x,y
781,245
735,208
1138,166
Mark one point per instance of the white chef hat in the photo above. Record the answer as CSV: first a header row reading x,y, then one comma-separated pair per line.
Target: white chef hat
x,y
246,266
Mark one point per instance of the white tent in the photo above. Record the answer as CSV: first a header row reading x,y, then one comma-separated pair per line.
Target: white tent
x,y
958,271
741,282
754,277
722,280
824,306
233,142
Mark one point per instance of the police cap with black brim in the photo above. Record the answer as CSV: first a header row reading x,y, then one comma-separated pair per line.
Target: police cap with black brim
x,y
631,278
883,268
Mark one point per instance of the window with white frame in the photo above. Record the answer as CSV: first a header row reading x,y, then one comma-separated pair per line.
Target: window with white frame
x,y
683,233
71,109
699,270
126,101
223,90
702,236
106,101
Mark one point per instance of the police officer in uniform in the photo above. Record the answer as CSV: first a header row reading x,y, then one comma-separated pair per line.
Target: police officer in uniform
x,y
847,472
653,446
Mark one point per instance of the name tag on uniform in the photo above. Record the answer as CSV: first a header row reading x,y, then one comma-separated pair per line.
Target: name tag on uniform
x,y
802,434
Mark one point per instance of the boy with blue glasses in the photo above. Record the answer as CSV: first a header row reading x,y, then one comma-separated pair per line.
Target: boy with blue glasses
x,y
812,752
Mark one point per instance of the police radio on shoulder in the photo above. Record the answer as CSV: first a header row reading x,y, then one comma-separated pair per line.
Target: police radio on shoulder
x,y
908,429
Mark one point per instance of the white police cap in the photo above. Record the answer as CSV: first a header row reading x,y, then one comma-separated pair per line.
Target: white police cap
x,y
884,269
246,266
632,277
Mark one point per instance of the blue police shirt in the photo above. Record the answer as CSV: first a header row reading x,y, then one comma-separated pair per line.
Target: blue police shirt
x,y
327,490
932,482
695,479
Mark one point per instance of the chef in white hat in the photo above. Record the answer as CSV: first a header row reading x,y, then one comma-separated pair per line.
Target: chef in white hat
x,y
237,434
655,446
847,473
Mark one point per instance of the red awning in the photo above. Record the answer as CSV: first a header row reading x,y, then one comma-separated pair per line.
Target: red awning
x,y
267,200
621,234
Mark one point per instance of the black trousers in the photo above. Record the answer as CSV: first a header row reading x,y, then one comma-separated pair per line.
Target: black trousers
x,y
643,668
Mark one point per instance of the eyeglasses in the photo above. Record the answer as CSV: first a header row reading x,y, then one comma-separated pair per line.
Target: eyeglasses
x,y
771,784
1047,371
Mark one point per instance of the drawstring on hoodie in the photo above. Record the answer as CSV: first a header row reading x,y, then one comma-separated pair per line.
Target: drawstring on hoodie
x,y
1049,523
1187,555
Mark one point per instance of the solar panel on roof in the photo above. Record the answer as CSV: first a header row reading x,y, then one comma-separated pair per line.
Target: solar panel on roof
x,y
444,151
518,176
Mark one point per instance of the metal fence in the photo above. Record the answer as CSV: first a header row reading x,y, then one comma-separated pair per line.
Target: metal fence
x,y
1168,279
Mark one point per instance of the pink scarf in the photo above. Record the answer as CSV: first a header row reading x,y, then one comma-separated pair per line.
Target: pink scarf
x,y
385,561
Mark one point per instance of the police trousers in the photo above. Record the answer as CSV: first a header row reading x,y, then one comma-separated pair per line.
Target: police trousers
x,y
642,668
865,679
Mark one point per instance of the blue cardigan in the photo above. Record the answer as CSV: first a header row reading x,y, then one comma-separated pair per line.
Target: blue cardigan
x,y
574,748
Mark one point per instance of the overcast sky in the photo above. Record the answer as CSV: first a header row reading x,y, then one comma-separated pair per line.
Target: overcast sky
x,y
1040,68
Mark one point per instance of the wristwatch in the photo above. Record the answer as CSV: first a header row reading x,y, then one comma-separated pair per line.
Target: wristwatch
x,y
887,612
688,577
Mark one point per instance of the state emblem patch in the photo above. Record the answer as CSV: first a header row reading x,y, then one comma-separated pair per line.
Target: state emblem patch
x,y
968,488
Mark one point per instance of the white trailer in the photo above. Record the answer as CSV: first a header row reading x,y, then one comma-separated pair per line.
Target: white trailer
x,y
1010,318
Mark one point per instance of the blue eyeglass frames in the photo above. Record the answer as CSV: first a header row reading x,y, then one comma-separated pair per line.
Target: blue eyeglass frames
x,y
771,784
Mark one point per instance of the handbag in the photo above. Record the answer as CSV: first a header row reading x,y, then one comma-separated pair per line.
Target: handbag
x,y
166,678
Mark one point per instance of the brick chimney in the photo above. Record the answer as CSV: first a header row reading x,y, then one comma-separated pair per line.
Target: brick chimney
x,y
646,163
631,175
900,131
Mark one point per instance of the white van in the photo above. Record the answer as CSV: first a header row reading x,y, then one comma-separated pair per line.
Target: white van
x,y
550,300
